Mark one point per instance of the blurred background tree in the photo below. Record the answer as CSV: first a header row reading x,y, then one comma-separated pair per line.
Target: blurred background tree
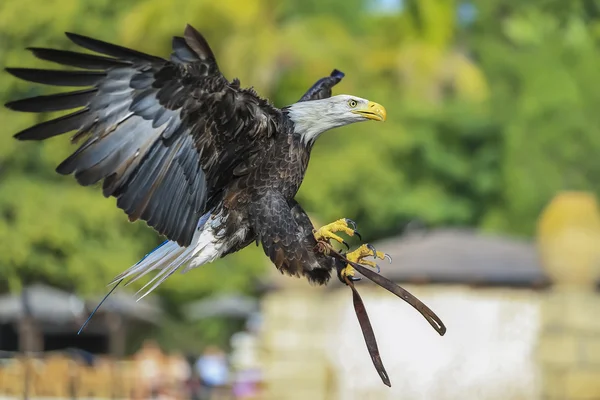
x,y
492,108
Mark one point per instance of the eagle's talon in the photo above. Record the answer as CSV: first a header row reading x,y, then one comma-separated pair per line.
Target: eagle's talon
x,y
357,234
367,250
350,222
370,264
383,256
372,248
344,225
379,254
347,273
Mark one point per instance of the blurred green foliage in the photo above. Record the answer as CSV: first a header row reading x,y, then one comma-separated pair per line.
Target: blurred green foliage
x,y
487,120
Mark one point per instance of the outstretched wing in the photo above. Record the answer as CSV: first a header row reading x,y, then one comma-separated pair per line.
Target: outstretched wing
x,y
165,136
322,88
286,234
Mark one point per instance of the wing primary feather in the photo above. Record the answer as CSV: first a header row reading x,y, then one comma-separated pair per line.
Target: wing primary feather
x,y
152,198
53,102
140,185
110,49
117,143
69,165
75,59
179,191
118,183
93,174
163,194
58,78
54,127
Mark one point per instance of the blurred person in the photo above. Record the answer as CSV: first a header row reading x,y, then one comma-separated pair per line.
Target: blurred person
x,y
149,360
179,373
245,361
213,370
193,384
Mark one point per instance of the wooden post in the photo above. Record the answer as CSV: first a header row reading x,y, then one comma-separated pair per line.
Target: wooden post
x,y
29,339
116,335
116,348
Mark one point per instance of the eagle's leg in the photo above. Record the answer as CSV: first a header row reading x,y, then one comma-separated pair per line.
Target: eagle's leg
x,y
357,256
327,232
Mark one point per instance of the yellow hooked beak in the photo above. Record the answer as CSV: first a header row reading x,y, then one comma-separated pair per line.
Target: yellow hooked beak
x,y
372,111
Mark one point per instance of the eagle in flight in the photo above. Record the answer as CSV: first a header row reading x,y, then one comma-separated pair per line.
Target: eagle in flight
x,y
208,164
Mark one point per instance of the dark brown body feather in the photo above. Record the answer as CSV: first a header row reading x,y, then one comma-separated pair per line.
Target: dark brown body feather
x,y
173,140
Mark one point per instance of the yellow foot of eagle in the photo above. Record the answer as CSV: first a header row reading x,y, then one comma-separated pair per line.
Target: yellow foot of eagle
x,y
327,232
357,256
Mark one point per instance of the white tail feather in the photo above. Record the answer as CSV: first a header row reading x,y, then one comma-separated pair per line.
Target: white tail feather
x,y
169,257
159,257
166,272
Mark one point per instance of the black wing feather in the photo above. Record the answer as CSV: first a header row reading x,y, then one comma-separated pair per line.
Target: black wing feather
x,y
182,53
74,59
53,102
110,49
58,78
322,88
54,127
157,132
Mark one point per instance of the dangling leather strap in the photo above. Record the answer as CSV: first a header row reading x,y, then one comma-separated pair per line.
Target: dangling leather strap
x,y
391,287
369,335
363,318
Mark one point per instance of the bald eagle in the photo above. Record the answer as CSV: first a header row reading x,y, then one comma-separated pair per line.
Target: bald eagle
x,y
211,166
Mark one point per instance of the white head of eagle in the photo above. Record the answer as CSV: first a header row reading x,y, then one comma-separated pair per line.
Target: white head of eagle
x,y
312,118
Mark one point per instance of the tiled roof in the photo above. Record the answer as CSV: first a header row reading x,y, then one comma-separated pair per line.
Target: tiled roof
x,y
47,304
461,256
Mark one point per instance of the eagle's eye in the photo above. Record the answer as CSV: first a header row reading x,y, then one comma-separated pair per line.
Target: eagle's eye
x,y
352,103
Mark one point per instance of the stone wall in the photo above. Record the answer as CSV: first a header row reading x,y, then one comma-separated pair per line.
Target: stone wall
x,y
314,347
569,345
294,362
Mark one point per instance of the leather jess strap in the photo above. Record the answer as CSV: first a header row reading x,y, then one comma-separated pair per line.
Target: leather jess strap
x,y
363,318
